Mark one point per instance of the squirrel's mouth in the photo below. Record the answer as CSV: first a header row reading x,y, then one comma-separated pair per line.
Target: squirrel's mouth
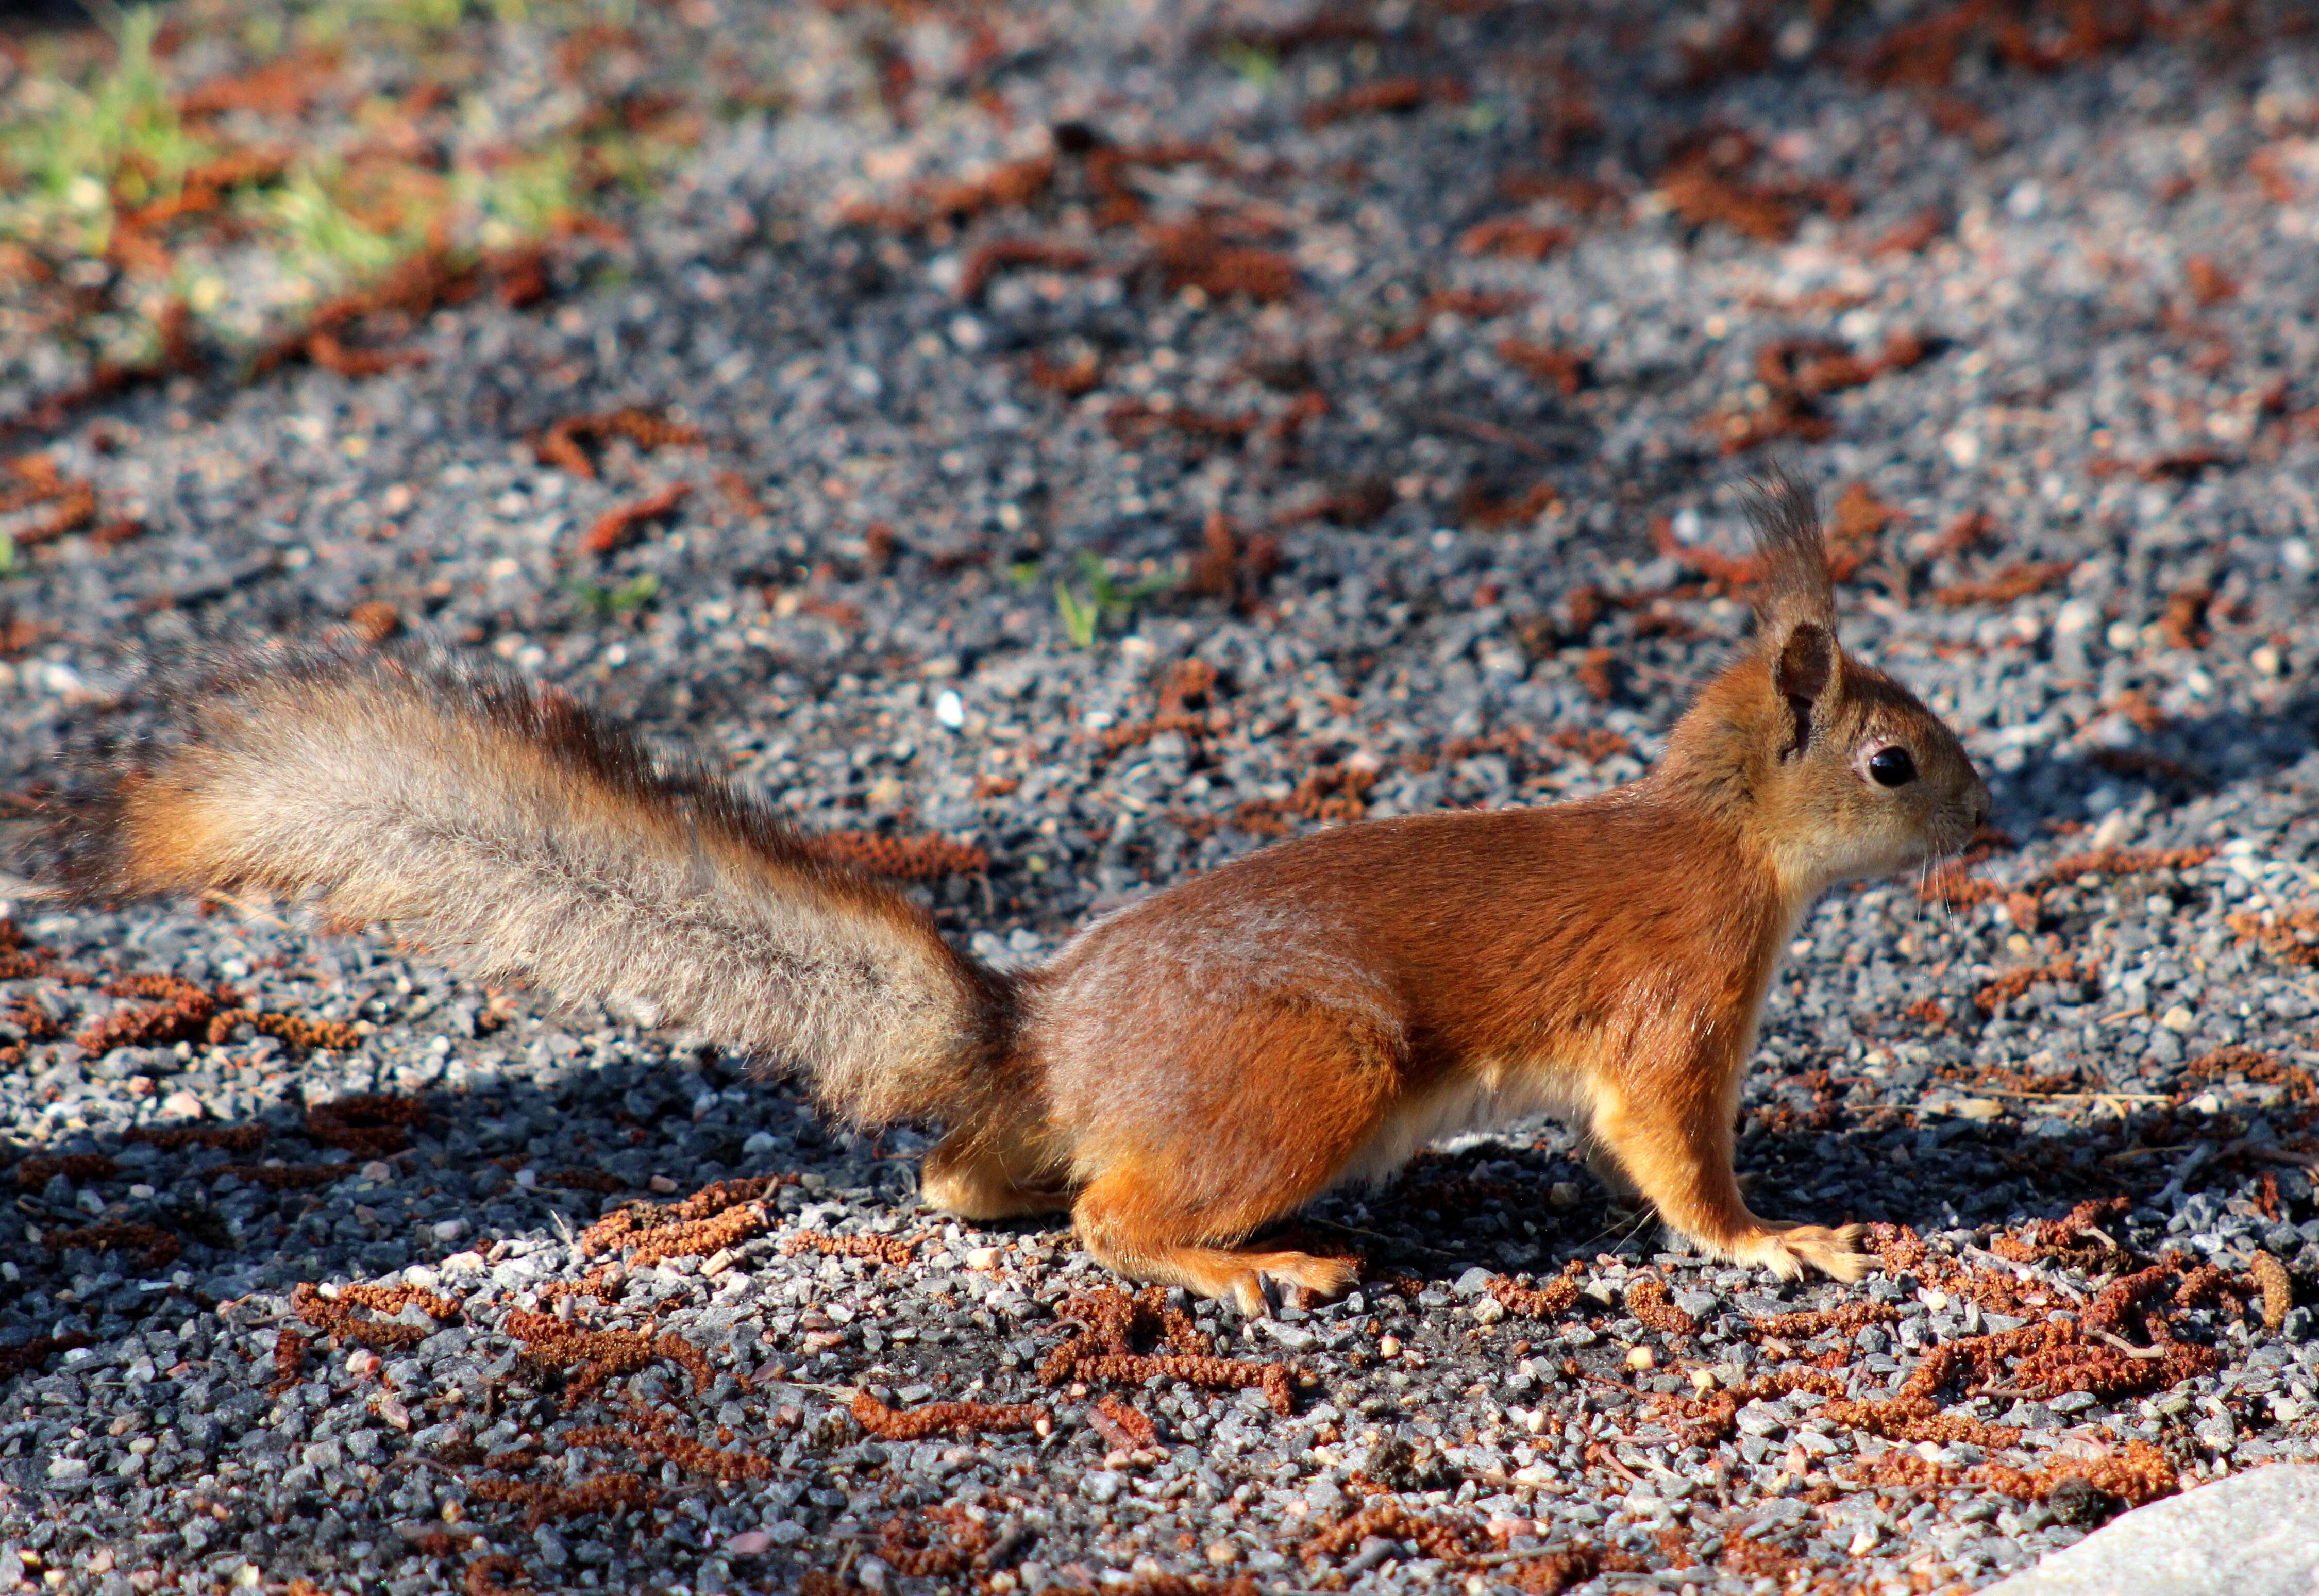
x,y
1941,845
1949,845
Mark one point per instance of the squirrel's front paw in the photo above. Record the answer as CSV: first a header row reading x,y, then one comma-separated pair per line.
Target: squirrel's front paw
x,y
1787,1251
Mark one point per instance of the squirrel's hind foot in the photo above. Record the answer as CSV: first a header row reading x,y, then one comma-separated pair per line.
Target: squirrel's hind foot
x,y
1787,1251
1237,1277
1241,1277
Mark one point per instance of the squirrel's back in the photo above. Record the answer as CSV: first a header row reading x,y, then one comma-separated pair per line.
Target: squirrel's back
x,y
1456,915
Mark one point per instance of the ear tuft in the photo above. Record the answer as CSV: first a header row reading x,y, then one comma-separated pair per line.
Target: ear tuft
x,y
1805,666
1792,554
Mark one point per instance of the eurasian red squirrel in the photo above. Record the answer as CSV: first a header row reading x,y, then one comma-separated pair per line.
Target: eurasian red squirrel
x,y
1186,1070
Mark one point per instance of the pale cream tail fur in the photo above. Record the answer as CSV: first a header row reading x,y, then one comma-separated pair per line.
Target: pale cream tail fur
x,y
516,832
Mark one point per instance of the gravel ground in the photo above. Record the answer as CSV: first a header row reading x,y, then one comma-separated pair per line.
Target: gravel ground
x,y
1346,424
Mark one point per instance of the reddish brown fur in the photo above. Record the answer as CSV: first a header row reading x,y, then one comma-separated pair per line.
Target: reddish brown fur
x,y
1190,1069
1219,1054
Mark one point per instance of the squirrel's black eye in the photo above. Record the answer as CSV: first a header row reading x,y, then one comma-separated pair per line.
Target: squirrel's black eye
x,y
1892,767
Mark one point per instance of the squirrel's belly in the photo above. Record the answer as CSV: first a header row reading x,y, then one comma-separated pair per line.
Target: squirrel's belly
x,y
1477,1096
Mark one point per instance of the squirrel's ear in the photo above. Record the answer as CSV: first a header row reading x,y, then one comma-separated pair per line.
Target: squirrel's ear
x,y
1796,602
1802,671
1793,557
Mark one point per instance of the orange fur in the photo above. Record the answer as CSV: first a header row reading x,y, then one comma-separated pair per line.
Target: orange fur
x,y
1217,1055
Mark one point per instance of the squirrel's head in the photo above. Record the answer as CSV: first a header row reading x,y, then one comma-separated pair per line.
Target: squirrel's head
x,y
1838,771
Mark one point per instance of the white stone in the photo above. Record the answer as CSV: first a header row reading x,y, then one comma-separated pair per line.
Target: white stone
x,y
2255,1534
1296,1337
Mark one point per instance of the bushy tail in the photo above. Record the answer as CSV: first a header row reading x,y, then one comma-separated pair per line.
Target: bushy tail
x,y
518,833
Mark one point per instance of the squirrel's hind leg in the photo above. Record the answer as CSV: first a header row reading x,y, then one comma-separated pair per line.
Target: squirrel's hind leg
x,y
1289,1095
